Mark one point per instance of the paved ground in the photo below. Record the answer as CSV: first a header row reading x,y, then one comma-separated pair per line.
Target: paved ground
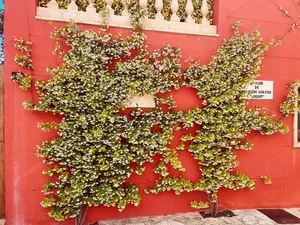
x,y
243,217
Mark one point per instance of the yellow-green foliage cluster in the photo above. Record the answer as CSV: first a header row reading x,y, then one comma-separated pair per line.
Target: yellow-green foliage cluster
x,y
291,103
91,160
224,121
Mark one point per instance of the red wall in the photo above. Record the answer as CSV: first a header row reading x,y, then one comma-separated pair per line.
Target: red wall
x,y
272,155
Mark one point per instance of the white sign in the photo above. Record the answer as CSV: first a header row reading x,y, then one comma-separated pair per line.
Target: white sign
x,y
261,89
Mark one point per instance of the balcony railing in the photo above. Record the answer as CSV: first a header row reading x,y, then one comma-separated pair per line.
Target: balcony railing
x,y
178,16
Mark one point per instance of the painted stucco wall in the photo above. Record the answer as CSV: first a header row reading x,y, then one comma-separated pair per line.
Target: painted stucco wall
x,y
272,155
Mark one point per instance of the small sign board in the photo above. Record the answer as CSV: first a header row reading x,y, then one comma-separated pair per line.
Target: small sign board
x,y
261,89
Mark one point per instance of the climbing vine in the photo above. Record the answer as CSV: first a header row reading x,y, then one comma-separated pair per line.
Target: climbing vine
x,y
91,160
23,60
100,145
23,79
291,104
266,179
224,121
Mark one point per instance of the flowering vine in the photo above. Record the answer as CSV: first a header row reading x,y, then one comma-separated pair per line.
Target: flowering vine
x,y
23,79
291,103
91,160
224,121
266,179
23,60
100,146
294,19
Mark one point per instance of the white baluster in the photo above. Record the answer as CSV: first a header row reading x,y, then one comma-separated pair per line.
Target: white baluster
x,y
52,5
174,9
204,12
159,7
143,4
91,7
189,9
72,6
125,11
108,5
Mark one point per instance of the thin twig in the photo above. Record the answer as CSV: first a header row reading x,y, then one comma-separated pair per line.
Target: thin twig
x,y
286,14
84,215
80,215
206,197
289,30
217,206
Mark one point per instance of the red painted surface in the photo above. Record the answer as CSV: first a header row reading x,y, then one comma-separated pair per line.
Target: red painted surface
x,y
272,155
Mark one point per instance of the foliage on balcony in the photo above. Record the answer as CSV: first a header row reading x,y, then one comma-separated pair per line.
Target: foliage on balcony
x,y
118,7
